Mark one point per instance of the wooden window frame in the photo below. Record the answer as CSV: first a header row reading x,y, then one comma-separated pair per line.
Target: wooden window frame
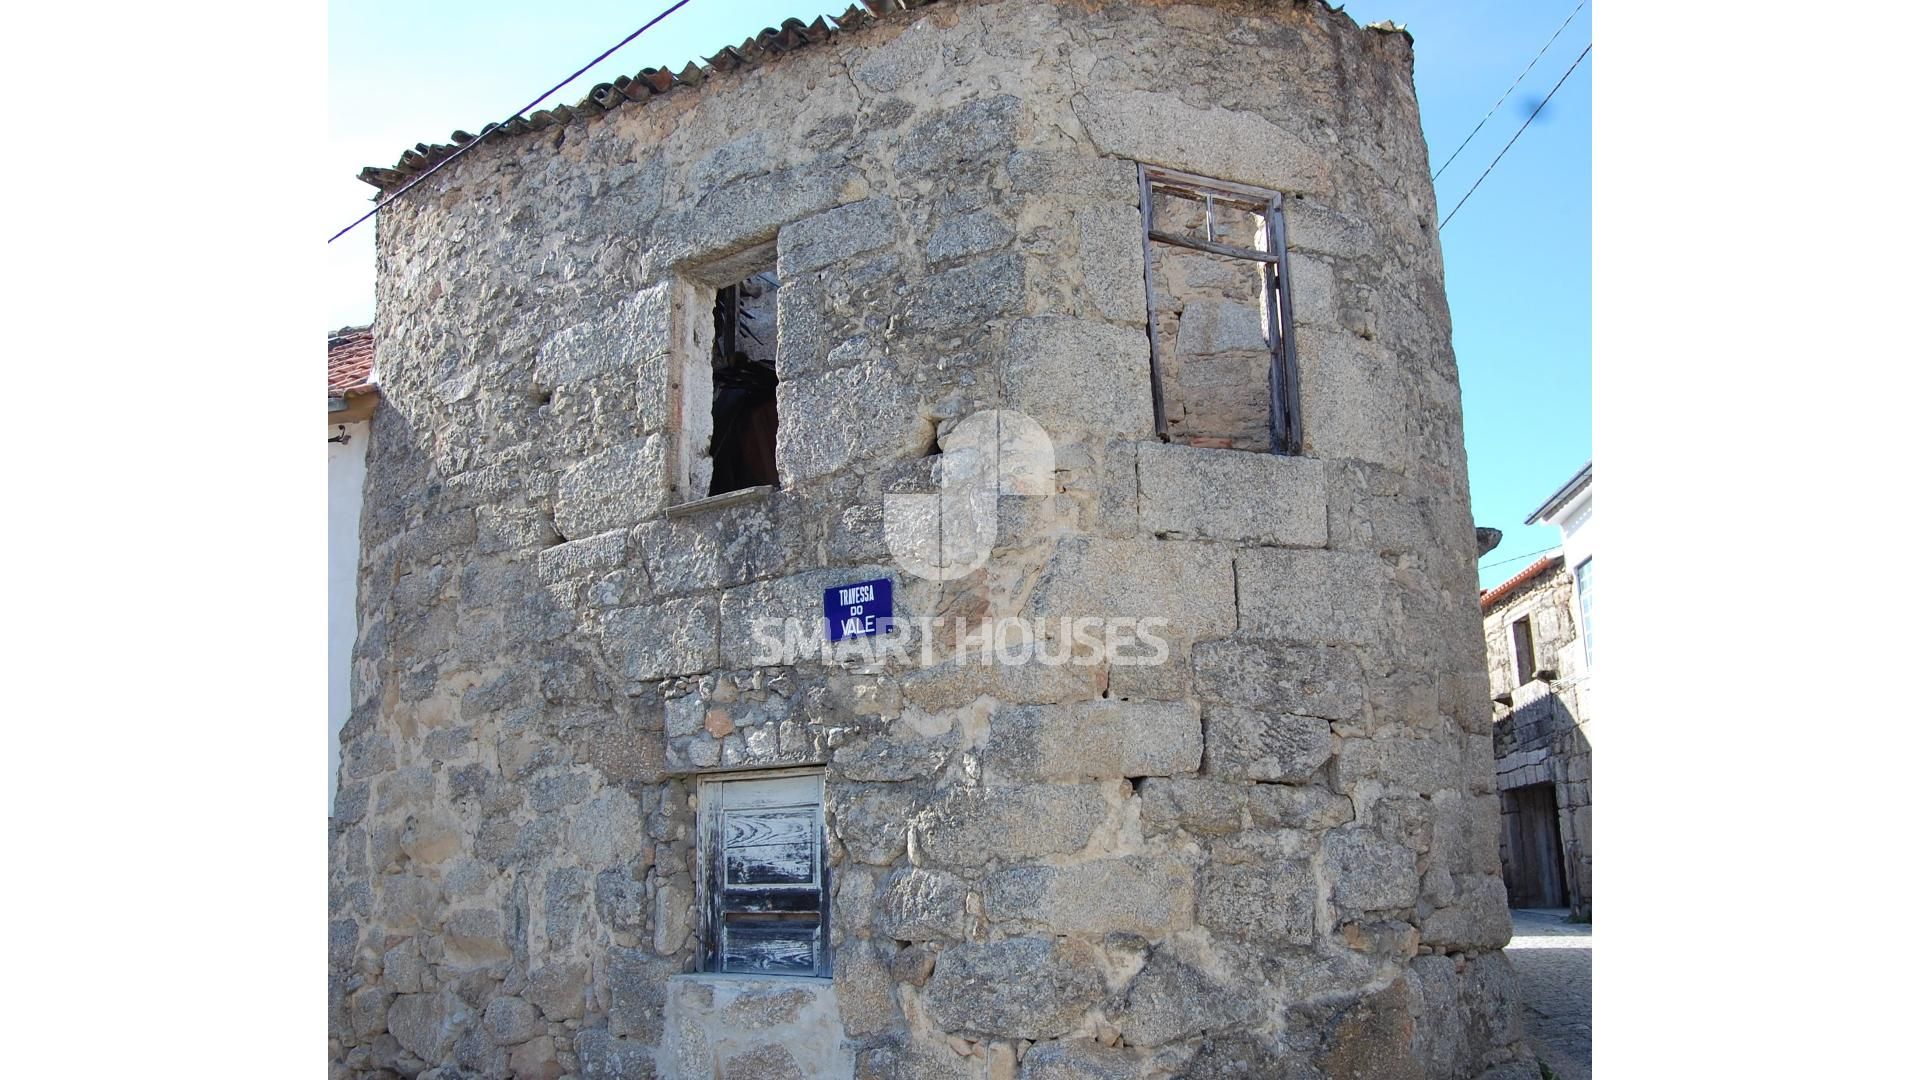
x,y
720,903
1283,381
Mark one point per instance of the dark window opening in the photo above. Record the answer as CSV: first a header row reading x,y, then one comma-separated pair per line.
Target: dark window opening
x,y
1219,314
765,875
1523,662
745,415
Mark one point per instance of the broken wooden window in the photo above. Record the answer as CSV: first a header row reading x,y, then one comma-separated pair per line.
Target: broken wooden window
x,y
1219,314
764,875
1523,660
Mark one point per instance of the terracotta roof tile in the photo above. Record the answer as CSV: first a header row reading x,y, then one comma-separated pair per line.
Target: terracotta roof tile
x,y
1493,596
349,359
762,48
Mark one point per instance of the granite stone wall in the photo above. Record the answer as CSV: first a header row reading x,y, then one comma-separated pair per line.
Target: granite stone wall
x,y
1543,728
1273,855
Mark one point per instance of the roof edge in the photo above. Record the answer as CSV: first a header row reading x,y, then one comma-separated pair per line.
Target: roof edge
x,y
1581,480
1491,598
649,83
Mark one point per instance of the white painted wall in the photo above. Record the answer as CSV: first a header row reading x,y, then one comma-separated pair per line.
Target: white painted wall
x,y
1575,521
346,474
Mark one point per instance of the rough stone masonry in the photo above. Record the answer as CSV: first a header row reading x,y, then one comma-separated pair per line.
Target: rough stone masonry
x,y
1273,855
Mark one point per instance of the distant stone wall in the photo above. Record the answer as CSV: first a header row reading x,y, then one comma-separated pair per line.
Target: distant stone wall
x,y
1543,736
1273,855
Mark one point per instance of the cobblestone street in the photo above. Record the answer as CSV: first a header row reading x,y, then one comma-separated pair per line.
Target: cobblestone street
x,y
1553,959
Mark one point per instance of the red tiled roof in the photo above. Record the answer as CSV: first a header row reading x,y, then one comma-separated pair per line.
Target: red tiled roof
x,y
1490,597
349,360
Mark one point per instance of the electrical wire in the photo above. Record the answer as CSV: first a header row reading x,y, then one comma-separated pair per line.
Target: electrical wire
x,y
1510,90
1517,558
1516,136
477,140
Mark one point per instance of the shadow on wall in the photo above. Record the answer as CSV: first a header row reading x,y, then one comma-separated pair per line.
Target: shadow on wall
x,y
1546,854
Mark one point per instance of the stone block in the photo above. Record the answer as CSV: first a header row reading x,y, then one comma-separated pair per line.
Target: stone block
x,y
1190,585
1306,680
951,684
612,489
1312,596
475,935
535,1059
1370,872
862,414
923,905
633,983
1079,378
1283,806
581,559
1059,172
367,1011
1255,744
1201,807
1476,920
1160,128
1424,766
767,1061
419,1022
973,233
1098,740
832,237
1112,262
968,137
1083,1059
863,990
1271,902
1373,1039
750,210
1022,988
639,328
964,298
1353,402
1170,1000
672,637
510,1021
972,825
1206,494
559,989
1137,894
603,1056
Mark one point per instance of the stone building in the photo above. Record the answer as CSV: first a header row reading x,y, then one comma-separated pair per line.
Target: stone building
x,y
351,398
1183,764
1539,665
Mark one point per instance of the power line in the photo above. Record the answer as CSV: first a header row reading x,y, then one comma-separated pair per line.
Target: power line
x,y
1517,558
1510,90
1516,137
476,141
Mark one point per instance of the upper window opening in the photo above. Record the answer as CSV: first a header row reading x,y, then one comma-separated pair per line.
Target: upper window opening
x,y
745,416
726,354
1523,660
761,849
1219,314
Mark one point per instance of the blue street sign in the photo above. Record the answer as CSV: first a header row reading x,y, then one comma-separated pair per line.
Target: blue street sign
x,y
859,609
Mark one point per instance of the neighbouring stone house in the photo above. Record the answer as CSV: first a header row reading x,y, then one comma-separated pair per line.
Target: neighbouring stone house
x,y
690,358
351,399
1539,637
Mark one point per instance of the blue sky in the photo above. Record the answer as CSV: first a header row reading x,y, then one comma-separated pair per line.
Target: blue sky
x,y
1518,255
